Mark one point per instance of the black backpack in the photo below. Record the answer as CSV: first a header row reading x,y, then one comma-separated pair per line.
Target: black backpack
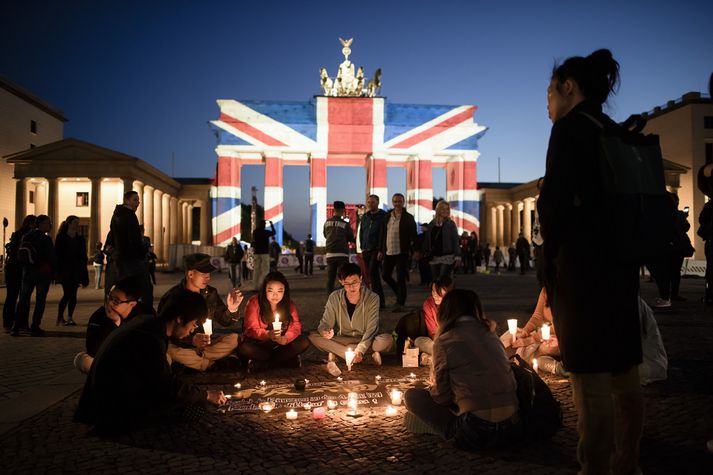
x,y
636,205
540,412
27,252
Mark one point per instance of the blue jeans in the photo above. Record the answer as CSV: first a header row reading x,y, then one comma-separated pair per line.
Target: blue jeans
x,y
31,279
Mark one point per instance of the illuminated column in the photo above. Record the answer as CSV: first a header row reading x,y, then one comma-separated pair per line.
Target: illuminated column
x,y
225,202
184,222
516,225
174,222
419,188
148,205
205,227
128,184
274,194
139,188
462,193
165,224
318,197
507,221
95,212
189,223
376,180
499,230
53,203
527,219
20,201
158,224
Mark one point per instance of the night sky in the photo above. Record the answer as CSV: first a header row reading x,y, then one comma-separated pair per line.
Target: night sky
x,y
143,77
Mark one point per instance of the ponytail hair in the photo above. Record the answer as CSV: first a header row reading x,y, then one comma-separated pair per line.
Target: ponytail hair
x,y
597,75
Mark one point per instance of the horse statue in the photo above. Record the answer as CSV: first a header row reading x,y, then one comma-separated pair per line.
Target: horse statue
x,y
374,85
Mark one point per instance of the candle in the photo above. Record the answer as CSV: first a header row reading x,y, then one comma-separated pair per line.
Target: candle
x,y
267,406
352,402
238,385
546,331
318,413
307,406
412,376
512,327
534,364
208,327
291,415
349,357
277,324
300,384
339,379
332,404
262,383
396,397
377,379
390,411
228,396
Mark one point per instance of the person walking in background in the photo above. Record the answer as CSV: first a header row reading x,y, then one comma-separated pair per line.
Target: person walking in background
x,y
98,264
472,253
338,234
523,253
605,378
300,269
261,252
499,258
129,251
397,242
71,250
13,272
275,253
369,235
233,256
309,254
443,243
512,256
39,262
486,255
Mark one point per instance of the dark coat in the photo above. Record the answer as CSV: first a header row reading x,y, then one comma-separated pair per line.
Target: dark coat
x,y
407,232
71,259
131,381
594,299
127,238
370,229
234,254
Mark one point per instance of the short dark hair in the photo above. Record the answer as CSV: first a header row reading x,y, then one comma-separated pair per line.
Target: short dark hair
x,y
376,197
41,219
130,286
130,193
349,269
443,282
186,305
398,194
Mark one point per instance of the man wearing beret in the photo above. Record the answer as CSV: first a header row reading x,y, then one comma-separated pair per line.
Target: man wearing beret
x,y
198,350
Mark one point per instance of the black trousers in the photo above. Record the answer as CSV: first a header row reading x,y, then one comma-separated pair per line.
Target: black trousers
x,y
373,269
13,281
274,354
400,262
667,274
68,300
333,264
309,264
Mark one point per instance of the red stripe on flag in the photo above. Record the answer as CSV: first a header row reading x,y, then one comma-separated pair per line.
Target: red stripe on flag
x,y
437,129
351,125
318,172
273,171
228,171
227,234
251,131
428,204
274,211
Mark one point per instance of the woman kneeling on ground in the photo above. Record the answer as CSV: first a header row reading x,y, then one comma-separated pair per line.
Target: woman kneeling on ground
x,y
265,347
473,396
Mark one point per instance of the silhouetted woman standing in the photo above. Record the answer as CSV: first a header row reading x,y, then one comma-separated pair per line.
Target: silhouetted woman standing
x,y
71,250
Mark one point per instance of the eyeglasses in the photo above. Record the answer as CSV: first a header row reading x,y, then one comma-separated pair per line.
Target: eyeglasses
x,y
116,301
351,284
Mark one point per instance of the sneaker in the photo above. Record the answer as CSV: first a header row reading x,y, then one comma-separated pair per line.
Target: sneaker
x,y
70,323
425,359
333,369
376,356
661,303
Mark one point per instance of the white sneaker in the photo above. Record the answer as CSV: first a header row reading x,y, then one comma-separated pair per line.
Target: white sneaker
x,y
376,356
331,357
425,359
333,369
661,303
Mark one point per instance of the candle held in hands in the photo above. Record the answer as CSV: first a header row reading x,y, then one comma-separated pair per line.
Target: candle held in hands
x,y
349,358
512,327
208,327
277,324
545,331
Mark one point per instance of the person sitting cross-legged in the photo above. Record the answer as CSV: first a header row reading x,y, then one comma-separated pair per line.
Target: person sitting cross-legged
x,y
198,350
120,306
131,385
262,344
354,310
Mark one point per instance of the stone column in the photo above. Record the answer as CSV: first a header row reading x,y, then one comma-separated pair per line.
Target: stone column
x,y
516,221
318,197
205,224
20,202
128,184
492,225
158,224
165,224
500,231
189,223
95,217
173,226
419,188
183,223
148,206
139,188
507,221
527,219
274,194
53,203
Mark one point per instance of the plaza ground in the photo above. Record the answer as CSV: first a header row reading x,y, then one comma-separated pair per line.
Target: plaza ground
x,y
39,390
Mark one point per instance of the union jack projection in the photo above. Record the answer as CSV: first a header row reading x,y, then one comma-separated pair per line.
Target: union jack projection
x,y
345,131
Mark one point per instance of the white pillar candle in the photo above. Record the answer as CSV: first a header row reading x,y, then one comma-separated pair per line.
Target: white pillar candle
x,y
267,407
390,411
208,327
396,397
353,402
546,331
291,415
277,324
535,366
349,357
512,327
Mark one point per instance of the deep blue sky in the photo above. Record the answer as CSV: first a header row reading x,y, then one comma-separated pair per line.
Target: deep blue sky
x,y
143,77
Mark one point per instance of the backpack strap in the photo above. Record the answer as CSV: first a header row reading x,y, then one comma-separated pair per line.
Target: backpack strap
x,y
593,119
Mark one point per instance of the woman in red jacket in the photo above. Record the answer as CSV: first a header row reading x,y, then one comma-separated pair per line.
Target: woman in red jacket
x,y
262,344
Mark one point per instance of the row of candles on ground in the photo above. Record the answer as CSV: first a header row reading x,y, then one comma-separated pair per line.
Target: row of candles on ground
x,y
352,402
544,330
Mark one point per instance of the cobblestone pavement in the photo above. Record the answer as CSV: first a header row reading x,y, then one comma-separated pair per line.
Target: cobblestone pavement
x,y
678,423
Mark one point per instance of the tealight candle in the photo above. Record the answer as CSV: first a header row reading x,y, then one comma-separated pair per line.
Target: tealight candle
x,y
332,404
238,385
307,406
377,379
412,376
512,327
339,379
545,331
396,397
349,358
534,364
277,324
263,383
318,413
390,411
352,402
291,415
267,406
